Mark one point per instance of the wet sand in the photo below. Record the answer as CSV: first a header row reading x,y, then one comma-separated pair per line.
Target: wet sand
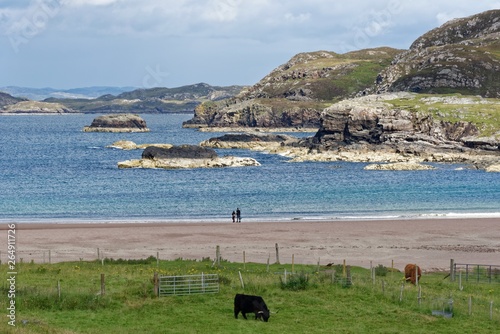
x,y
431,243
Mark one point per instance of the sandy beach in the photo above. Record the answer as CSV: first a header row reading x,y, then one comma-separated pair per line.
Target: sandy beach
x,y
431,243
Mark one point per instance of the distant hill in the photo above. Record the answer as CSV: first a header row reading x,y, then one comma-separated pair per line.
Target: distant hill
x,y
151,100
7,99
39,94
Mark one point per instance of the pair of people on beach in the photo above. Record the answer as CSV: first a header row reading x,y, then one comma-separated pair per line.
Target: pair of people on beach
x,y
236,216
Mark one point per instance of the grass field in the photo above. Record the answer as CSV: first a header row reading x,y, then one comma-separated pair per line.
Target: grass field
x,y
310,301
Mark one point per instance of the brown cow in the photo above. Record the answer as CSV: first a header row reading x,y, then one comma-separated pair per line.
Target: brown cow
x,y
410,273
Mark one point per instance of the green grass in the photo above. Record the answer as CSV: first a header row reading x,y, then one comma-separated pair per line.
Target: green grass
x,y
308,302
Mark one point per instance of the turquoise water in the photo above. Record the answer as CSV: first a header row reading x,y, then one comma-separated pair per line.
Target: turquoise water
x,y
52,171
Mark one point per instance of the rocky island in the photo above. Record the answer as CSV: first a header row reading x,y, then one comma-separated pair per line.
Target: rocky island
x,y
117,123
185,156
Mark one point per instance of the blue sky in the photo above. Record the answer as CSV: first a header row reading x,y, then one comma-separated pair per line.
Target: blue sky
x,y
170,43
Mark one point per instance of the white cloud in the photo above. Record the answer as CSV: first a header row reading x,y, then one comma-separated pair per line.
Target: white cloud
x,y
444,17
261,34
299,18
87,2
221,10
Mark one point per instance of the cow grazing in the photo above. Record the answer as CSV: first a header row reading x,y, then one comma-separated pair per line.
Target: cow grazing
x,y
411,272
251,304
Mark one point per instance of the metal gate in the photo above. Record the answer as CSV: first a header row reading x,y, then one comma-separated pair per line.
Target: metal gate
x,y
188,284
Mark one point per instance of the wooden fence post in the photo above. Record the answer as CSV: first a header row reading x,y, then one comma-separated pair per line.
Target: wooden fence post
x,y
244,261
59,288
470,304
491,310
217,255
318,264
344,269
293,263
416,275
452,270
241,280
401,292
156,285
103,285
98,254
268,258
277,254
157,259
348,277
460,287
50,257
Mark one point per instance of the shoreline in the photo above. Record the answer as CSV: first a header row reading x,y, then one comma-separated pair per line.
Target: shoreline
x,y
430,243
252,219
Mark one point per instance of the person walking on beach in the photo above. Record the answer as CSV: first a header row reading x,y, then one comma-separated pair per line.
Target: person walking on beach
x,y
238,215
233,216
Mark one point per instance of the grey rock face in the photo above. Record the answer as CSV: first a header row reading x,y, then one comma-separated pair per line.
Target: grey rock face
x,y
372,120
456,56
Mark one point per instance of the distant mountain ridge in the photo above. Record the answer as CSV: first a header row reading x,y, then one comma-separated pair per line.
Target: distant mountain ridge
x,y
39,94
151,100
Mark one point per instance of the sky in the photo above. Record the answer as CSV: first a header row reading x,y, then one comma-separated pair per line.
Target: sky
x,y
170,43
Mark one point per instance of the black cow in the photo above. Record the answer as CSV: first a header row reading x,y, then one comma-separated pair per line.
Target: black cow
x,y
250,304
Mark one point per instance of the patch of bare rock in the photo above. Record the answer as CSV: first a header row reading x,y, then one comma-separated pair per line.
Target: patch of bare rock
x,y
130,145
399,166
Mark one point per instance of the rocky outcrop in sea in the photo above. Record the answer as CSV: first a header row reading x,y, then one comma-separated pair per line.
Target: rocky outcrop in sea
x,y
185,156
117,123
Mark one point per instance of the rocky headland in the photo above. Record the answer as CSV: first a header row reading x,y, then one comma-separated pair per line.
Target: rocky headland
x,y
185,156
117,123
436,102
294,94
35,107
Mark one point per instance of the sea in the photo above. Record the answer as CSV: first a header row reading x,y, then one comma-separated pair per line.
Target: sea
x,y
52,171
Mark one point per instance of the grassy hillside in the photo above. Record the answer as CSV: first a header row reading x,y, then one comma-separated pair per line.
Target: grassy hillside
x,y
484,113
323,75
309,301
